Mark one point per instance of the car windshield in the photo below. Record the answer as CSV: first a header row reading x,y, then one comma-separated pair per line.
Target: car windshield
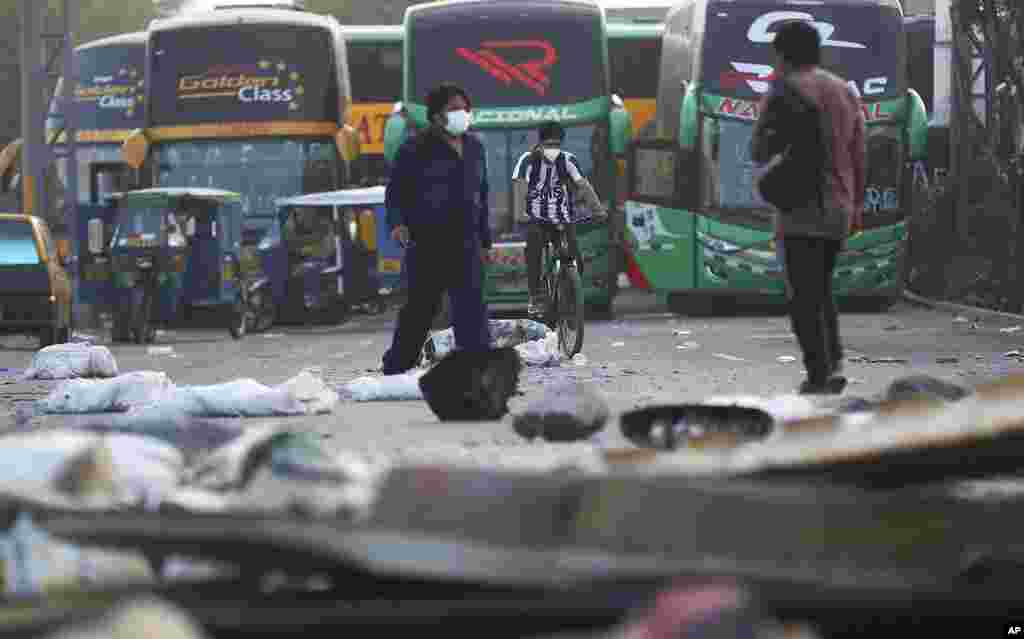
x,y
17,243
504,148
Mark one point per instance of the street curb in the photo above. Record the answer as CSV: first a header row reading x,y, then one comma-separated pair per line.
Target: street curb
x,y
976,311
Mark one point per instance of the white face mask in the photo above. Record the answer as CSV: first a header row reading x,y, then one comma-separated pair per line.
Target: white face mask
x,y
552,154
458,122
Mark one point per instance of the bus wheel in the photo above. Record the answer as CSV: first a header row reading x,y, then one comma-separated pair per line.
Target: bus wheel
x,y
691,304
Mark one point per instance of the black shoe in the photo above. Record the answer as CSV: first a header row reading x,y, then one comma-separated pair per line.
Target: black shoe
x,y
834,386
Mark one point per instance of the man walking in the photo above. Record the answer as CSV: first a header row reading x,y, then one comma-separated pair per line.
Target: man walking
x,y
814,234
437,208
546,181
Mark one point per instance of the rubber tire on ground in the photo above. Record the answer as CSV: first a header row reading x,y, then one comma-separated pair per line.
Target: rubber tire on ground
x,y
444,316
570,309
691,304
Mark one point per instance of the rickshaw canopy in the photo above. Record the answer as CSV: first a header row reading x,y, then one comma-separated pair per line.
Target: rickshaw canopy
x,y
347,197
168,196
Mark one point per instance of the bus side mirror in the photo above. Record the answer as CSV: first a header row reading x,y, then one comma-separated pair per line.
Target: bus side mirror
x,y
96,233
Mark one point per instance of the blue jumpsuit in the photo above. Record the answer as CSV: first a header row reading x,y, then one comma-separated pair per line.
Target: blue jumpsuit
x,y
442,198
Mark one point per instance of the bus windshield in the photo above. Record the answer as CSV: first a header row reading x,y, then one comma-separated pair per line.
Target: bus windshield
x,y
504,59
255,73
260,170
863,45
504,148
635,65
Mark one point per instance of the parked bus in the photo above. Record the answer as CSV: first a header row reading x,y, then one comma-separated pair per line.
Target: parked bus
x,y
524,63
249,100
696,225
375,64
634,49
109,105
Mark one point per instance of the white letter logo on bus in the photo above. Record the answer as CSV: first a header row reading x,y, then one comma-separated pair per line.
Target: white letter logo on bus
x,y
759,30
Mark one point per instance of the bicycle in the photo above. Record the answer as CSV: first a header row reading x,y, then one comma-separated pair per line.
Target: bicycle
x,y
564,287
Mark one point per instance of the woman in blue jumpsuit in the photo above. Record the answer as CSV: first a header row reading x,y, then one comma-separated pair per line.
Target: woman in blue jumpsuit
x,y
437,208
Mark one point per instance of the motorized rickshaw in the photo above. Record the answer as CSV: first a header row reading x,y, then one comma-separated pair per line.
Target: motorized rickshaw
x,y
172,249
320,258
35,288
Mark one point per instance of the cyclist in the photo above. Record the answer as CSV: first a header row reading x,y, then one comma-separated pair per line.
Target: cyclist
x,y
549,189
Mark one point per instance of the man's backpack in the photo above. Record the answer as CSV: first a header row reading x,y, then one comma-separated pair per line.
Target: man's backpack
x,y
794,181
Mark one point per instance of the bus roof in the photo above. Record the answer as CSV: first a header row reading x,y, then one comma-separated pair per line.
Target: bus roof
x,y
634,30
374,33
227,17
345,197
465,4
137,37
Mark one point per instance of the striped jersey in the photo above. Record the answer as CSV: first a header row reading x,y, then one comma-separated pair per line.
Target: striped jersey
x,y
547,198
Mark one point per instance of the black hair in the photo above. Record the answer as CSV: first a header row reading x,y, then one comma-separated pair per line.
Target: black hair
x,y
551,131
798,43
439,97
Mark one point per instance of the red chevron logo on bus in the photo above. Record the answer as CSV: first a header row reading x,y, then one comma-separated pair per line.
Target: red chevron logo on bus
x,y
532,73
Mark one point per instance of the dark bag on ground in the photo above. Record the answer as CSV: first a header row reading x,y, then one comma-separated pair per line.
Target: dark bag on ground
x,y
472,386
795,180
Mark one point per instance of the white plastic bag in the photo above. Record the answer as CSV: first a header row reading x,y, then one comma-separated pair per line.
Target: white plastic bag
x,y
311,390
70,361
385,388
504,333
541,352
118,394
238,398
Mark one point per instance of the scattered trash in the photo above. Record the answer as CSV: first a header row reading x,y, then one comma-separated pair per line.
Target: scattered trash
x,y
682,332
785,359
309,388
960,319
687,346
566,413
731,358
384,388
895,326
71,361
273,335
1010,329
885,360
471,386
160,350
618,344
579,359
1014,354
947,360
504,334
542,352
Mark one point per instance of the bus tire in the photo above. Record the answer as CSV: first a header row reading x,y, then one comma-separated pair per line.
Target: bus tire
x,y
691,304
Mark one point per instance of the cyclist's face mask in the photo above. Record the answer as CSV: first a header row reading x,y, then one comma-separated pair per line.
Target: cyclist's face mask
x,y
552,149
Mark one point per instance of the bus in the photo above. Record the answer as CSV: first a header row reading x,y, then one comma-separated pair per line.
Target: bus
x,y
697,230
250,100
109,104
634,50
524,63
375,64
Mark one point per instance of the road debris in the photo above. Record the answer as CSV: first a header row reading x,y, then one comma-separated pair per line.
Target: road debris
x,y
566,413
785,359
1009,330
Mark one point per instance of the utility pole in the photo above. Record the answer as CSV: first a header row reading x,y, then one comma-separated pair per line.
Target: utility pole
x,y
41,50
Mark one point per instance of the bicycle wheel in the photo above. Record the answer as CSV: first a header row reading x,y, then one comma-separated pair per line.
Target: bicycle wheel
x,y
570,311
549,282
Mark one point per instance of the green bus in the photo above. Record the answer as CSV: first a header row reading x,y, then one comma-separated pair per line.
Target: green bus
x,y
697,231
634,49
375,66
524,63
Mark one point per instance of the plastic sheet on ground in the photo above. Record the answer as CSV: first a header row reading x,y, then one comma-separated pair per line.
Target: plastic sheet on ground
x,y
405,386
541,352
70,361
151,396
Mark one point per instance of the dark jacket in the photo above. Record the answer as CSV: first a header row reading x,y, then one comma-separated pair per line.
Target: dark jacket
x,y
440,196
841,122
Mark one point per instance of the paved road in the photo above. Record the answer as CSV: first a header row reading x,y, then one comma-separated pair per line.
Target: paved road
x,y
644,356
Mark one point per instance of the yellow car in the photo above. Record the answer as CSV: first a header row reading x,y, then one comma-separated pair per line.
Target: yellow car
x,y
35,289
